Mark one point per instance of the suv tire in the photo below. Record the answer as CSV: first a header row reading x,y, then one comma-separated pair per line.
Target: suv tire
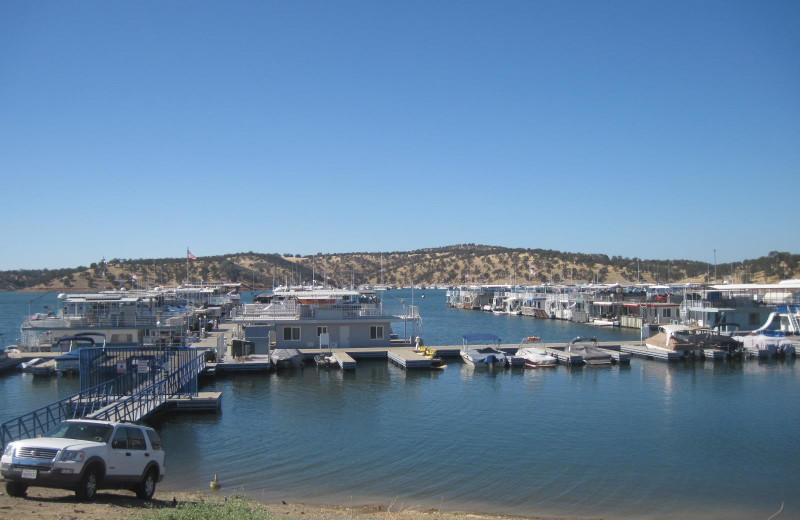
x,y
146,489
87,487
16,489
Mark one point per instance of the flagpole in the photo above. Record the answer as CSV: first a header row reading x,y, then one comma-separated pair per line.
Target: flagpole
x,y
187,264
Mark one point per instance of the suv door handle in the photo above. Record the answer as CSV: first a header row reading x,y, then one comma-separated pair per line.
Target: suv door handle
x,y
146,454
127,454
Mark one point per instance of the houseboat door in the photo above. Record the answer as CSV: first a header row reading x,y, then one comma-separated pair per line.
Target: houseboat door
x,y
344,336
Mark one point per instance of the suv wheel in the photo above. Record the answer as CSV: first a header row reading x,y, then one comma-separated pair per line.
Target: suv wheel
x,y
87,488
16,489
146,489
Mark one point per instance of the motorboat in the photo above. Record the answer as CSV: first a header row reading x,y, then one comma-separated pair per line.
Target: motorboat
x,y
587,349
535,357
674,338
68,363
325,360
286,358
767,344
601,322
780,335
482,356
27,366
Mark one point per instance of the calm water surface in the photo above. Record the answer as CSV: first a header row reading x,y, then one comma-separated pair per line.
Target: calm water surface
x,y
701,440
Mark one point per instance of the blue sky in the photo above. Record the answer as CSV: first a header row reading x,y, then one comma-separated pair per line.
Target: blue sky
x,y
649,129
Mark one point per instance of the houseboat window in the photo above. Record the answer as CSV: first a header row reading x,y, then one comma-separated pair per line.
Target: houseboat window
x,y
667,313
322,330
376,332
754,318
291,333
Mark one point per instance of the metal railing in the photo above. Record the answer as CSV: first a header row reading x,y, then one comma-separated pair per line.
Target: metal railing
x,y
180,383
107,401
44,419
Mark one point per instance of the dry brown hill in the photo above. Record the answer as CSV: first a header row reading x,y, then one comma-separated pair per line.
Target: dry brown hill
x,y
464,263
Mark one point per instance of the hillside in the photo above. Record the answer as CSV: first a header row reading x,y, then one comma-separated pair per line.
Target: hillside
x,y
463,263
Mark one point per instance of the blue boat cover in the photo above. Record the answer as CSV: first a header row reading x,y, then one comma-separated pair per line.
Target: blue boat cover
x,y
75,354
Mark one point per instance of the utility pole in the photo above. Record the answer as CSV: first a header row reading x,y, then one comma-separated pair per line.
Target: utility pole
x,y
715,266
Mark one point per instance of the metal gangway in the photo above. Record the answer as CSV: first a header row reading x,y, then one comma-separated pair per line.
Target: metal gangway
x,y
142,381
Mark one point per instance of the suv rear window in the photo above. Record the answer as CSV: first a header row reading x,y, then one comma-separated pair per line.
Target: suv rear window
x,y
155,442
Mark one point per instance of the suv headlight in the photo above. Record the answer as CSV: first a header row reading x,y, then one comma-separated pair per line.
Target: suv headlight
x,y
9,451
70,456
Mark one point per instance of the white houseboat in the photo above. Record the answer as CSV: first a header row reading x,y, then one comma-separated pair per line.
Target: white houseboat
x,y
301,318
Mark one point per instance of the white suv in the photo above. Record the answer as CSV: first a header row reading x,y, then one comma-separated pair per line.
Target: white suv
x,y
85,456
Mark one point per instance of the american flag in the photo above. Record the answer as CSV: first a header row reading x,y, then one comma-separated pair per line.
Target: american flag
x,y
189,255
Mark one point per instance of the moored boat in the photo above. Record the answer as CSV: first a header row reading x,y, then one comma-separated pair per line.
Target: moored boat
x,y
587,349
286,358
482,356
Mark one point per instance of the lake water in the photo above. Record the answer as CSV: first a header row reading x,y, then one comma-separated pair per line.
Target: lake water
x,y
652,440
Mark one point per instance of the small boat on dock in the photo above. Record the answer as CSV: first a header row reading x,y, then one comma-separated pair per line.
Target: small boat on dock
x,y
535,357
483,356
325,360
47,368
286,358
587,349
27,366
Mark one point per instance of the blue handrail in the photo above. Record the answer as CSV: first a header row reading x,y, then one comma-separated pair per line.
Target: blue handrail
x,y
112,400
137,406
42,420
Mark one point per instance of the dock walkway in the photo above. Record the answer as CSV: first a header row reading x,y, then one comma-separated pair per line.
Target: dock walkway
x,y
406,357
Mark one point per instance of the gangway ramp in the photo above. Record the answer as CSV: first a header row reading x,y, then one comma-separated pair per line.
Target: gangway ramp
x,y
131,395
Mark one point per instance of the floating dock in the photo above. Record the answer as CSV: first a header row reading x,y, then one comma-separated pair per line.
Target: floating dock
x,y
203,402
643,351
344,361
253,363
714,354
408,359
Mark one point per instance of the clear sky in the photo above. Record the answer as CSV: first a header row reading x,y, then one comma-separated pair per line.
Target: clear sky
x,y
648,129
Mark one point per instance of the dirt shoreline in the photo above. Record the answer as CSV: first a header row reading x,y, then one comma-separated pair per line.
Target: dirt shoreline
x,y
56,504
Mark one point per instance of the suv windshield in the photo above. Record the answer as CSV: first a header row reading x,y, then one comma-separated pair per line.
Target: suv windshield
x,y
82,431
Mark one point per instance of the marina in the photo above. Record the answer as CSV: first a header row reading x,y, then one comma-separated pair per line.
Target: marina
x,y
238,378
400,260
